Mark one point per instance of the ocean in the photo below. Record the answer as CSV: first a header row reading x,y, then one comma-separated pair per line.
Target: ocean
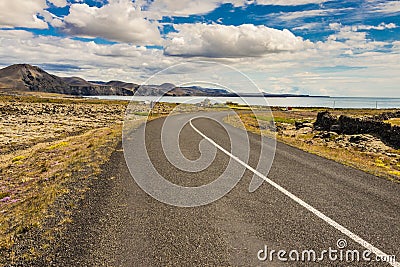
x,y
326,102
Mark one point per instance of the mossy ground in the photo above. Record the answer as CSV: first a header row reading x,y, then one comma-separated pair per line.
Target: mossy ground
x,y
52,152
30,185
379,164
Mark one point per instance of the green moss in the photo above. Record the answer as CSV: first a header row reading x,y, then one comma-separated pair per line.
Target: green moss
x,y
4,194
58,145
18,158
141,113
276,119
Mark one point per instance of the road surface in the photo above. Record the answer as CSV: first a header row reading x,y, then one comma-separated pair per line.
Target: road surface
x,y
121,225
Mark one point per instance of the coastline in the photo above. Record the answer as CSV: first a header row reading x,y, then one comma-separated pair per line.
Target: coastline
x,y
57,135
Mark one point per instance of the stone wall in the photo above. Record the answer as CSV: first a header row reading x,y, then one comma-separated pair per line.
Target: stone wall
x,y
366,125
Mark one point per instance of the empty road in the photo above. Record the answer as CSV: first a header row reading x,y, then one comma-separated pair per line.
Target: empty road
x,y
121,225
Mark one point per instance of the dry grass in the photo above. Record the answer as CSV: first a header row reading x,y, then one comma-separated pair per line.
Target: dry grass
x,y
50,150
30,183
394,121
378,164
53,149
57,99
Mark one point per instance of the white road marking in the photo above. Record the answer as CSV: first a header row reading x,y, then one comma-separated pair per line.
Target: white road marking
x,y
319,214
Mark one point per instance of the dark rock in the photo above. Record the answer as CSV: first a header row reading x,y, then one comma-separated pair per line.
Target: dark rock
x,y
298,125
336,128
387,115
326,135
357,139
366,125
324,121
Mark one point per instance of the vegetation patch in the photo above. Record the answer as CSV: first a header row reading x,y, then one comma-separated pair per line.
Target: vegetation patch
x,y
51,153
58,145
275,119
45,175
18,158
141,113
366,153
393,121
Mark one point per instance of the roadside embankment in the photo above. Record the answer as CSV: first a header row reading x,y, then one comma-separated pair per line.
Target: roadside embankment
x,y
364,139
374,125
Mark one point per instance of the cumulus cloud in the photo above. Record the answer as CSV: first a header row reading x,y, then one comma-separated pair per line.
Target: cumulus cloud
x,y
363,63
349,41
130,63
354,37
119,20
222,41
22,13
92,61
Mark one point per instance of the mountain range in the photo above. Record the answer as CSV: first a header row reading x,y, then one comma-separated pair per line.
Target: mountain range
x,y
25,77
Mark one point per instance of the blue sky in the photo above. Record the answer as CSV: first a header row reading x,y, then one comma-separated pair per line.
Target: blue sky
x,y
338,48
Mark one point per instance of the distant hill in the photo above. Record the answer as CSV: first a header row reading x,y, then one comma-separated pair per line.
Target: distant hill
x,y
24,77
128,86
76,81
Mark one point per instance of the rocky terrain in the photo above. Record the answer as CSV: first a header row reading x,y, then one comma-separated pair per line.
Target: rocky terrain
x,y
27,121
361,142
24,124
51,153
369,125
360,138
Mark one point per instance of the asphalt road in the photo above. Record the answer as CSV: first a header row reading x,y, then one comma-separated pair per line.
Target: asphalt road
x,y
121,225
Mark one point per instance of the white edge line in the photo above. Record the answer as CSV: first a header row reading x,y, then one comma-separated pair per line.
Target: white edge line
x,y
316,212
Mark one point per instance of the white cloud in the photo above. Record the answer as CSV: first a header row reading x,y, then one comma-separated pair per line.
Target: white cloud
x,y
380,27
222,41
310,13
96,61
353,38
387,7
396,45
289,2
347,63
309,26
310,71
189,7
22,13
183,7
335,26
59,3
119,20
